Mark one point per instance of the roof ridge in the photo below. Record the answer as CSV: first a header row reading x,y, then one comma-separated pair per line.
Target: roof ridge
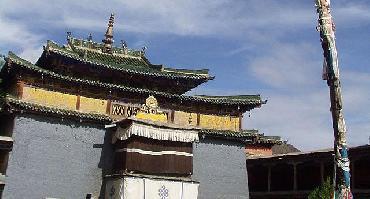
x,y
100,45
228,97
113,54
241,95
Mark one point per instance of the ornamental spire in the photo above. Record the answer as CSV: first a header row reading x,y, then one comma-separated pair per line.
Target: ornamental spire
x,y
108,41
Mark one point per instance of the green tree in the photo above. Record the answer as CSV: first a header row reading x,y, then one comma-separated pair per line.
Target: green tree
x,y
324,191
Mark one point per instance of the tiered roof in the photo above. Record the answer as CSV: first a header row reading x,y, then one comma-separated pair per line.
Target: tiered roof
x,y
133,61
123,65
118,65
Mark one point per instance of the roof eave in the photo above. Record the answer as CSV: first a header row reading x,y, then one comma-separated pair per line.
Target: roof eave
x,y
248,105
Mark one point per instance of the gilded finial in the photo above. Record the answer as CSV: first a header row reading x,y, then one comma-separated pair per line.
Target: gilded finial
x,y
124,46
143,49
108,41
89,38
69,35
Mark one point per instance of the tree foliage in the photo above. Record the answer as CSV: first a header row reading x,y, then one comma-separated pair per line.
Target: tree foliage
x,y
324,191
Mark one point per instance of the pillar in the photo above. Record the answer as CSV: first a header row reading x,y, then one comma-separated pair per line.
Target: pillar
x,y
269,179
295,176
322,172
353,186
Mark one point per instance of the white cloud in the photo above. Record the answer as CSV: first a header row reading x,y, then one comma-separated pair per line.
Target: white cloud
x,y
356,97
299,105
298,108
252,19
182,17
285,65
17,36
352,14
302,120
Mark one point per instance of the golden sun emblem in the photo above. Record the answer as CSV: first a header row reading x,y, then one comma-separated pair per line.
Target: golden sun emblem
x,y
151,102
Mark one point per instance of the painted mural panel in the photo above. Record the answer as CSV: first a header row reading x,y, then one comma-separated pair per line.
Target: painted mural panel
x,y
49,98
93,105
219,122
159,117
148,111
184,119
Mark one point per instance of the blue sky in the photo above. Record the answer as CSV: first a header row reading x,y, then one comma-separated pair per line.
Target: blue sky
x,y
265,47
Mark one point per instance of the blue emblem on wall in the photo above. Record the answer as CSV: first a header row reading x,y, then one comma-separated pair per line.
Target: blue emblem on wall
x,y
163,192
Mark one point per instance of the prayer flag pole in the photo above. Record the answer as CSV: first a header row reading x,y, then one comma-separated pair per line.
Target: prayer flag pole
x,y
341,180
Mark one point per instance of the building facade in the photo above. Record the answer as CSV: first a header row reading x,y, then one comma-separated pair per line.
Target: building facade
x,y
302,172
92,119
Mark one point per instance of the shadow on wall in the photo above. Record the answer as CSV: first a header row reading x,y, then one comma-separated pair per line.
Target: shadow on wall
x,y
106,158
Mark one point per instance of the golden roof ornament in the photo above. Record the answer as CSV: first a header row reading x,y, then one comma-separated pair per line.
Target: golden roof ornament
x,y
89,38
151,102
124,47
150,106
69,35
108,41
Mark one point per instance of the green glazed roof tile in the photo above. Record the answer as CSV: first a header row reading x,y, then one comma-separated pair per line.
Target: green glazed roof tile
x,y
252,136
228,133
235,98
127,63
